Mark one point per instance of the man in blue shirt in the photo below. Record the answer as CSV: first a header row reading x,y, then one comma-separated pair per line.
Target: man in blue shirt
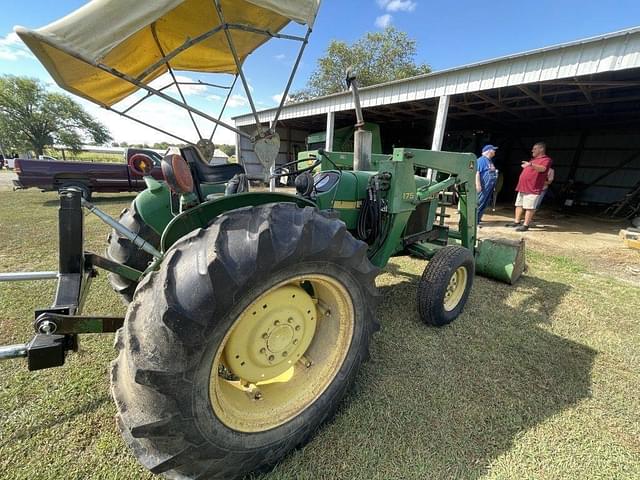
x,y
486,176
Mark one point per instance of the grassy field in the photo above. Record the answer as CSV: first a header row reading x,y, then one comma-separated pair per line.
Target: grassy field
x,y
539,380
87,156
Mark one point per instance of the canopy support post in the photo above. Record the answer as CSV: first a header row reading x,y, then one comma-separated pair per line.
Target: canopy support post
x,y
232,48
173,77
139,84
224,105
293,73
148,95
141,122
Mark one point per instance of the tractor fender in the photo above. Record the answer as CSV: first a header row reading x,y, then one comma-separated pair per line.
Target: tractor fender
x,y
203,214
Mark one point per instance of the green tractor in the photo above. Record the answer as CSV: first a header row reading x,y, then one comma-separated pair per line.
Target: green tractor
x,y
249,313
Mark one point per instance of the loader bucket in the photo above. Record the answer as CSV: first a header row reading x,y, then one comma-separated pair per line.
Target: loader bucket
x,y
500,259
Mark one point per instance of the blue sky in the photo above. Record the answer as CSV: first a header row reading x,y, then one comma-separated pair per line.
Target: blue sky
x,y
449,34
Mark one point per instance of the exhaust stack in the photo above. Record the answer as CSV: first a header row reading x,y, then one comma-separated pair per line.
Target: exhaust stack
x,y
362,139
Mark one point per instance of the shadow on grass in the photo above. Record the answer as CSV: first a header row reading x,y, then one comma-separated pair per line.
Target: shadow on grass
x,y
447,402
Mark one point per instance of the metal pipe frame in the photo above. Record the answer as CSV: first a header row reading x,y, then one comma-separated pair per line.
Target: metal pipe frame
x,y
148,95
13,351
224,106
259,31
305,41
234,53
141,122
128,78
135,238
27,276
139,80
173,77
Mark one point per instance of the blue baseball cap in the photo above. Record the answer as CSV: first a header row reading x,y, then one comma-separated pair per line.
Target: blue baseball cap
x,y
489,147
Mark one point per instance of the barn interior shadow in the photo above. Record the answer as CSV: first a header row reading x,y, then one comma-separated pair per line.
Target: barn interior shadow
x,y
446,402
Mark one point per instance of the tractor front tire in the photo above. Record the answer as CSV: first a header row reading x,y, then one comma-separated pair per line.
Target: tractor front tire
x,y
122,250
445,285
243,342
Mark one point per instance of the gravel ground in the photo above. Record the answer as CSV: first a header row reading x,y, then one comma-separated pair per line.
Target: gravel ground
x,y
5,179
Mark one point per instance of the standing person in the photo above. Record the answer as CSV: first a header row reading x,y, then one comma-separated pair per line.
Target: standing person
x,y
548,181
486,176
530,186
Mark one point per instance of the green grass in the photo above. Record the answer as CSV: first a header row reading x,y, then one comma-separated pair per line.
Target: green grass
x,y
538,380
87,156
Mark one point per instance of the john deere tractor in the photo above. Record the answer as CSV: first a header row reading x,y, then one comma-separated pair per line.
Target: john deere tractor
x,y
249,312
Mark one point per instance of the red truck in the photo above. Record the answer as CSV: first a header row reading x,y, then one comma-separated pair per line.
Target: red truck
x,y
90,177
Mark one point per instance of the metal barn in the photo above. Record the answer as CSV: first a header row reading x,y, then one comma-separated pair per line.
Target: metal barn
x,y
582,98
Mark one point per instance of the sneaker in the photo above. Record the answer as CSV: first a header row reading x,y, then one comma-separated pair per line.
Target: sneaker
x,y
522,228
513,224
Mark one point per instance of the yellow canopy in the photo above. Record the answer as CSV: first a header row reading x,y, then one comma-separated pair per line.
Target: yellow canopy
x,y
120,35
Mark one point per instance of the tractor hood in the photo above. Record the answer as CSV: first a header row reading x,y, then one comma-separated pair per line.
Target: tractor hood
x,y
130,37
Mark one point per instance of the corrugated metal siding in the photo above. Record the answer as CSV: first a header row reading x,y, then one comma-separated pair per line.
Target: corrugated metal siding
x,y
611,52
291,142
601,152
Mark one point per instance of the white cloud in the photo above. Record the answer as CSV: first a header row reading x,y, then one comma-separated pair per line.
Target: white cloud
x,y
397,5
237,100
383,21
277,97
12,48
281,56
214,98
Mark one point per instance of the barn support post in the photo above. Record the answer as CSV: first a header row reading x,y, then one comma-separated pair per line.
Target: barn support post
x,y
438,129
238,145
441,121
328,143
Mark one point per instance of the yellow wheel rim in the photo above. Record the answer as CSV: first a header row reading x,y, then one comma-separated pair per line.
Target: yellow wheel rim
x,y
281,353
455,289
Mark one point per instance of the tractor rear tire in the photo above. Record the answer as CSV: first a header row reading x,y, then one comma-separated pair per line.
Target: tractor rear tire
x,y
445,285
120,249
225,295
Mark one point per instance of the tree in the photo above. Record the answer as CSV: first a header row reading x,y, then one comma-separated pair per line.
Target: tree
x,y
377,57
32,118
229,150
160,146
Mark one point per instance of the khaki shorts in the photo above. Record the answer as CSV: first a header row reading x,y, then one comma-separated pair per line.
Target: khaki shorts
x,y
527,200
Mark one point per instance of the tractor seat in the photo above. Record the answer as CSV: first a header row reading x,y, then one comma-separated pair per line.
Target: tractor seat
x,y
205,173
216,173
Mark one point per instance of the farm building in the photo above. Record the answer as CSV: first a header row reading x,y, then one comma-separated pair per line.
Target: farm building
x,y
582,98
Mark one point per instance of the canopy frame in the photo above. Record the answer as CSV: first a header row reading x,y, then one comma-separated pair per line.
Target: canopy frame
x,y
139,82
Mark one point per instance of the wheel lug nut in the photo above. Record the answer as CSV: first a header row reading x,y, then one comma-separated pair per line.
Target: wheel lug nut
x,y
271,358
297,328
277,322
290,319
295,341
284,354
263,350
265,336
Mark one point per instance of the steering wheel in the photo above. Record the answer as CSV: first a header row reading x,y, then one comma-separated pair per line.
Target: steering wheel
x,y
279,171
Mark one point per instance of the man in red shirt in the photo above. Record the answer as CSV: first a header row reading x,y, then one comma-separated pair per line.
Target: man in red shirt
x,y
530,186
